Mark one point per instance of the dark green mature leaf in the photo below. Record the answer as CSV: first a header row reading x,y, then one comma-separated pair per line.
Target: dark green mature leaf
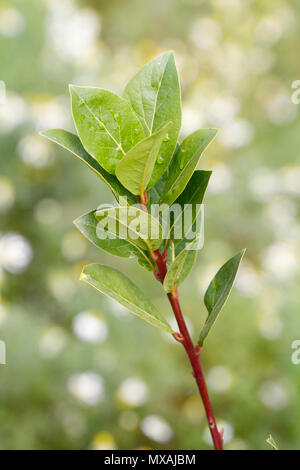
x,y
131,223
107,126
194,228
187,204
154,94
195,189
71,142
114,284
155,193
135,169
218,292
182,265
185,162
87,224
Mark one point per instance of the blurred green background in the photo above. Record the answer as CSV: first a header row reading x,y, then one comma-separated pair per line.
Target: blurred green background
x,y
81,372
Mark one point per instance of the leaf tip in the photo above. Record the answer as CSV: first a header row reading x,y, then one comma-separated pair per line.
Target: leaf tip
x,y
73,88
75,222
83,276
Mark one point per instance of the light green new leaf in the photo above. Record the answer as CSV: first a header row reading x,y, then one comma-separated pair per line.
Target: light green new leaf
x,y
182,265
154,94
114,284
135,169
71,142
184,163
130,223
156,191
87,224
218,292
270,440
106,125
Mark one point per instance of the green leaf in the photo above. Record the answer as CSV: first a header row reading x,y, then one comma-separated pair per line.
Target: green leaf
x,y
270,440
182,265
154,95
155,193
135,169
189,201
114,284
184,163
218,292
194,228
131,223
107,126
87,224
195,189
71,142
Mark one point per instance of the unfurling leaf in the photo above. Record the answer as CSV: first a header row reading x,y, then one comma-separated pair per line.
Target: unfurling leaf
x,y
114,284
106,125
218,292
184,163
87,224
154,95
71,142
182,264
135,169
130,223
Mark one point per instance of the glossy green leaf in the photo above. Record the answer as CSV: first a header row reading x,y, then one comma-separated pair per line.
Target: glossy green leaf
x,y
154,95
135,169
156,191
194,228
184,163
195,189
87,224
218,292
107,126
114,284
71,142
182,265
188,205
131,223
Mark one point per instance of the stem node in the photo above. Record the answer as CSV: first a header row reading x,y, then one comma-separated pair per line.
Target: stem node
x,y
178,336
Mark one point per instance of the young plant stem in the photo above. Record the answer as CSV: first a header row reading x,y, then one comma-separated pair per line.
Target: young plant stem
x,y
193,353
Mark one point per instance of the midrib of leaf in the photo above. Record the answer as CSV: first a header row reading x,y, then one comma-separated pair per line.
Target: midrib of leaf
x,y
143,108
144,173
131,243
156,97
134,231
189,162
178,271
116,296
119,145
192,196
220,300
179,215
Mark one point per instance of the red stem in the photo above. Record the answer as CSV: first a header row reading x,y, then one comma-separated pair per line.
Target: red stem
x,y
183,337
193,353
